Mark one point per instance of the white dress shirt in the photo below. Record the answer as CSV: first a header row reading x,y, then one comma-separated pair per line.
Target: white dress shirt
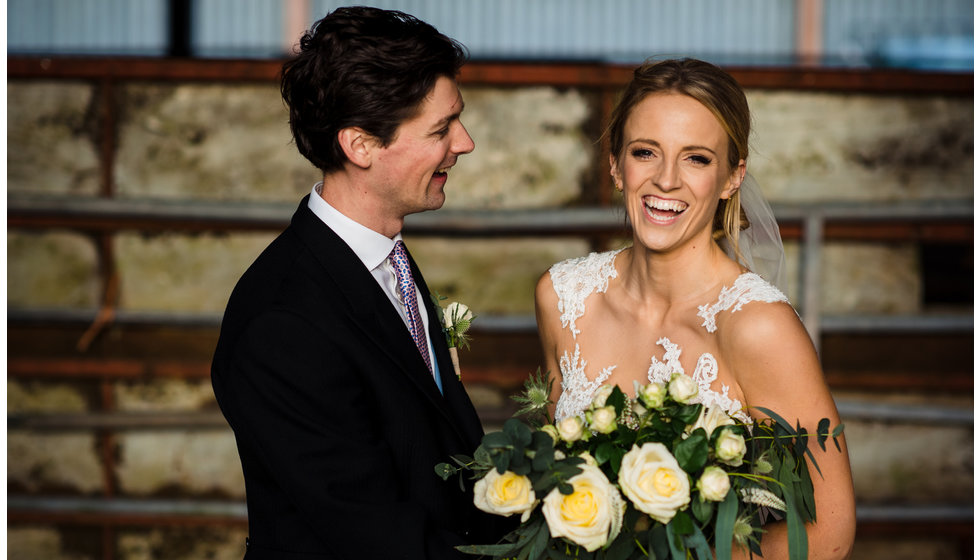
x,y
373,249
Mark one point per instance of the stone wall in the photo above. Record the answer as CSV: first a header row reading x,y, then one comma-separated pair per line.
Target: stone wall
x,y
536,148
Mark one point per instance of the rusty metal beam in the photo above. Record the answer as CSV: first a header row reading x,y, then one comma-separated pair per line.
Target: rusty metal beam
x,y
486,73
950,220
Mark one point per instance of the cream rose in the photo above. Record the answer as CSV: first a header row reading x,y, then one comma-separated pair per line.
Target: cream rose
x,y
714,484
552,431
602,420
730,448
652,395
682,388
601,394
591,516
504,494
571,429
711,417
651,478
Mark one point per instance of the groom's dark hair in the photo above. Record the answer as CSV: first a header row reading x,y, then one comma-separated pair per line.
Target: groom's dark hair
x,y
362,67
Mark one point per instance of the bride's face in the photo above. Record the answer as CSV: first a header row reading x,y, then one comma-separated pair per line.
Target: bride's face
x,y
673,171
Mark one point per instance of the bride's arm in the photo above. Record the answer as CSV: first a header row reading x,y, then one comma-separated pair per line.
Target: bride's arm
x,y
549,325
776,366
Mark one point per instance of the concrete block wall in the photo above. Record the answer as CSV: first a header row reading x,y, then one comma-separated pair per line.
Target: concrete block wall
x,y
536,148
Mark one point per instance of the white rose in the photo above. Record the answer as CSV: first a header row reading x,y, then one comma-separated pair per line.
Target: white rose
x,y
601,394
651,478
591,516
571,429
714,484
730,448
552,431
504,494
589,459
602,420
456,312
682,388
711,417
652,395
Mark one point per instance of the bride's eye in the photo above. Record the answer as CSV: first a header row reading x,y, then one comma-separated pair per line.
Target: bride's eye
x,y
641,152
700,160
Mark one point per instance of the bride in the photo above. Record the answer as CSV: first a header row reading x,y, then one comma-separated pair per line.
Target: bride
x,y
675,300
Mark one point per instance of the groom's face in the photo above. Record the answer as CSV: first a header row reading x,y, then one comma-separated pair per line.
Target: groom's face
x,y
412,171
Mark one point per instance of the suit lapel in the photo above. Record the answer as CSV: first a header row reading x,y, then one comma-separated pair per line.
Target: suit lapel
x,y
372,312
452,388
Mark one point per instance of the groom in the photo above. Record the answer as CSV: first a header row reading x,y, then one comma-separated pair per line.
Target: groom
x,y
331,366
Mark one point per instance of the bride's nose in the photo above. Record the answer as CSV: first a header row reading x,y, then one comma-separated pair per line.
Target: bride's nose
x,y
666,177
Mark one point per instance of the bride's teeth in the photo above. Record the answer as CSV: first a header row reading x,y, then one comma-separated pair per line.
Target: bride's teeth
x,y
666,205
443,170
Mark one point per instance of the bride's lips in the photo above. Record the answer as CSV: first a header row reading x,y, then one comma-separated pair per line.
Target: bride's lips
x,y
661,210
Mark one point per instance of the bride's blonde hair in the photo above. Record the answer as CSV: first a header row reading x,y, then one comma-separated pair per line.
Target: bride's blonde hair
x,y
719,93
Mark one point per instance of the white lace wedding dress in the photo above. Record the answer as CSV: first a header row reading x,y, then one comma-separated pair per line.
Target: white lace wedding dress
x,y
576,279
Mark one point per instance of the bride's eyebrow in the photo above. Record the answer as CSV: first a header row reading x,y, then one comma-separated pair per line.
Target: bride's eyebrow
x,y
684,149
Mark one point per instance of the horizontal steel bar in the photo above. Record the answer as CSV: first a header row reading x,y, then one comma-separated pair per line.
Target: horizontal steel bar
x,y
117,421
868,410
504,324
850,409
157,215
903,513
128,506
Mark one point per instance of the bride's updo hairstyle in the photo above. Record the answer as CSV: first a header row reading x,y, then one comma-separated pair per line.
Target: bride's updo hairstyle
x,y
720,94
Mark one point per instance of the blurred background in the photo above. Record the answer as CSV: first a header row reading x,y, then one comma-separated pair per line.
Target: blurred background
x,y
149,161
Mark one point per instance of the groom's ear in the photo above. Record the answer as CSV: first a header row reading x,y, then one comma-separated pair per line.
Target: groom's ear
x,y
358,145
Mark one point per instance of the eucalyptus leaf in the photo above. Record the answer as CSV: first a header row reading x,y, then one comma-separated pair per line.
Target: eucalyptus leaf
x,y
692,453
702,509
795,529
699,543
725,525
621,548
497,440
445,470
657,547
823,432
674,542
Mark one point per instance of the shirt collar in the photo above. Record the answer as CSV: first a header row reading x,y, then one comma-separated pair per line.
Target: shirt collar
x,y
371,247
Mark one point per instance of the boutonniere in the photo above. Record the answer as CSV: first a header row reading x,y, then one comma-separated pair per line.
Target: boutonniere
x,y
455,319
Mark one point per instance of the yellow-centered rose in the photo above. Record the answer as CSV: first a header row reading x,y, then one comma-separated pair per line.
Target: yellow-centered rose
x,y
591,516
504,494
651,478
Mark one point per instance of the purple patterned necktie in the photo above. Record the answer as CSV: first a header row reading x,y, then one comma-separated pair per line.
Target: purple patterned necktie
x,y
399,260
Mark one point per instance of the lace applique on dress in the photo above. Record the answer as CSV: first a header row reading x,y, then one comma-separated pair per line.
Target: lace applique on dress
x,y
578,278
577,391
748,287
705,373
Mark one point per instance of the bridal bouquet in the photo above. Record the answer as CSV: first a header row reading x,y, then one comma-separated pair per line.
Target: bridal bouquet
x,y
657,477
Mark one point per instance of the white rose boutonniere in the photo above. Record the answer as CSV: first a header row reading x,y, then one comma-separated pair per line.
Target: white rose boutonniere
x,y
456,319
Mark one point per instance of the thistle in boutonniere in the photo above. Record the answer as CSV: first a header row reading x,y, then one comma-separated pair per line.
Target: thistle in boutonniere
x,y
456,319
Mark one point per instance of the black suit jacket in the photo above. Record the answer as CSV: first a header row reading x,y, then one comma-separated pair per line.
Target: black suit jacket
x,y
339,423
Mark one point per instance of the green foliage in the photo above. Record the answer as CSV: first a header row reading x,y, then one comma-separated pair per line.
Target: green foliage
x,y
775,462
